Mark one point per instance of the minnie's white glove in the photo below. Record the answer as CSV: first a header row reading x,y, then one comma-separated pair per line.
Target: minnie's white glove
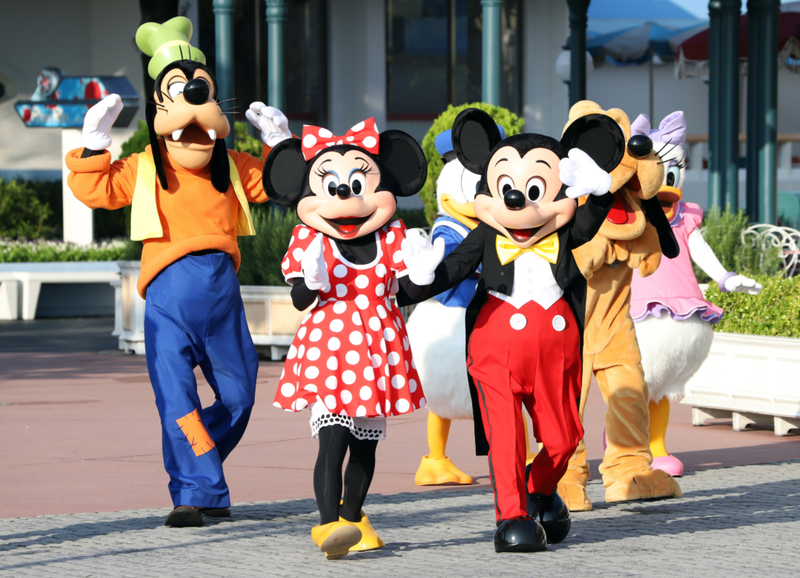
x,y
272,123
742,284
315,272
421,257
98,122
582,175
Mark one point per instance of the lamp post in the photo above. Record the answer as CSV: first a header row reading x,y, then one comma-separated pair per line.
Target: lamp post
x,y
223,24
564,70
490,83
276,16
577,32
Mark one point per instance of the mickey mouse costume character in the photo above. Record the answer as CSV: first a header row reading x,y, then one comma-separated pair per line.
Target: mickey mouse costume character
x,y
350,361
525,321
189,198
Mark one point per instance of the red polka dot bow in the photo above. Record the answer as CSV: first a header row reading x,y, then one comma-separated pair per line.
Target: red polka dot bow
x,y
364,135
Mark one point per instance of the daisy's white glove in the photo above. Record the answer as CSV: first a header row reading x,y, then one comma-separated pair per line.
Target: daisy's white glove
x,y
98,122
742,284
315,272
272,123
582,175
421,257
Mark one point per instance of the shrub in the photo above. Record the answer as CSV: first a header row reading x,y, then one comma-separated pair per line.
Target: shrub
x,y
262,254
24,251
723,233
138,141
775,311
502,116
22,213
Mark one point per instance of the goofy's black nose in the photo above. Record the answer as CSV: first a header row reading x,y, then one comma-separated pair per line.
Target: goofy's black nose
x,y
514,200
343,191
640,145
196,91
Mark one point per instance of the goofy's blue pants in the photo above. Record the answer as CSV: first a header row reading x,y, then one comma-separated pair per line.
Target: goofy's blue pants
x,y
194,316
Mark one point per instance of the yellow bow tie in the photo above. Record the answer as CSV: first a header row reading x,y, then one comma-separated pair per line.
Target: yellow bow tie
x,y
546,248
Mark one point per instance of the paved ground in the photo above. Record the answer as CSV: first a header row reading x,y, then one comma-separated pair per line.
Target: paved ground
x,y
81,434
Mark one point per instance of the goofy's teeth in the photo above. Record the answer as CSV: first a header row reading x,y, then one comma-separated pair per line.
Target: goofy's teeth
x,y
212,134
176,134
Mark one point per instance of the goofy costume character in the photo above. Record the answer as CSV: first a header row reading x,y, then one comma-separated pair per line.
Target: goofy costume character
x,y
189,198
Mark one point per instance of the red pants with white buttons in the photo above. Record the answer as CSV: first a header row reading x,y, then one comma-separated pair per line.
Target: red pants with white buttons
x,y
527,356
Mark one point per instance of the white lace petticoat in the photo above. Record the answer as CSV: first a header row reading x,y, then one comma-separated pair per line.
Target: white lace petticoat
x,y
362,428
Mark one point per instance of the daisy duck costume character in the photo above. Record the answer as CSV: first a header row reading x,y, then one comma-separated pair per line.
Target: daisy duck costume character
x,y
189,198
350,361
673,319
524,324
436,326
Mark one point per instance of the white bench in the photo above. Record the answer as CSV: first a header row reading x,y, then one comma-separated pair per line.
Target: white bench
x,y
20,283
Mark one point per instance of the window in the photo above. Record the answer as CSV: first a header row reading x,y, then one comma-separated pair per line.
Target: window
x,y
434,56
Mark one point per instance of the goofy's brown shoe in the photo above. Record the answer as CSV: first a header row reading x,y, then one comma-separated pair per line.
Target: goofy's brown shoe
x,y
184,517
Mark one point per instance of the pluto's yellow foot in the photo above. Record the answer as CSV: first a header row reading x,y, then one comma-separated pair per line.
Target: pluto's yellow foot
x,y
437,472
572,489
335,538
369,538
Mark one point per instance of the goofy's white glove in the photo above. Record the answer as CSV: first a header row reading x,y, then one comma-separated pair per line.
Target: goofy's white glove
x,y
582,175
272,123
315,271
421,257
98,122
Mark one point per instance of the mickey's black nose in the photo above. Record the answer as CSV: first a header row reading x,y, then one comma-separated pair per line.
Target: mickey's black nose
x,y
343,191
514,200
640,145
196,91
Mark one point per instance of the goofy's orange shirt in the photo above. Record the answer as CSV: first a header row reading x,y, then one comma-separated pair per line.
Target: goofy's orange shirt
x,y
194,215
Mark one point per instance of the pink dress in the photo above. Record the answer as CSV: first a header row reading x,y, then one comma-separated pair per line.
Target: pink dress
x,y
673,288
351,351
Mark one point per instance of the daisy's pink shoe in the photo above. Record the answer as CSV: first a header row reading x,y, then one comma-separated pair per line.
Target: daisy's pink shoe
x,y
670,464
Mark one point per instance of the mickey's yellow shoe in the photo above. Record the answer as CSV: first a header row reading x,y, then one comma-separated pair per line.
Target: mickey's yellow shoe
x,y
335,538
369,538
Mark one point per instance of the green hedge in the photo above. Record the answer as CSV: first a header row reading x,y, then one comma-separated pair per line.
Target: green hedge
x,y
262,254
20,251
775,311
502,116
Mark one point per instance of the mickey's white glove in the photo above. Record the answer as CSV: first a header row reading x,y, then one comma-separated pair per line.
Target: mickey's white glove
x,y
582,175
272,123
742,284
421,257
98,122
315,271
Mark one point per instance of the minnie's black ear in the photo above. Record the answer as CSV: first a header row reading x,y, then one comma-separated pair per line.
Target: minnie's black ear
x,y
403,158
284,171
220,167
474,135
599,136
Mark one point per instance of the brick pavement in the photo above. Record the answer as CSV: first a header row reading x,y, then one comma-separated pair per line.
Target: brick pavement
x,y
742,521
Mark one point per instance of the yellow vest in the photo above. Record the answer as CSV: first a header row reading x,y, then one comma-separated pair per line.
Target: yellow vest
x,y
145,220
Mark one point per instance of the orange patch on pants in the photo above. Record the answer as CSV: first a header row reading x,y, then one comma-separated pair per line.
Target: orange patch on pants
x,y
196,432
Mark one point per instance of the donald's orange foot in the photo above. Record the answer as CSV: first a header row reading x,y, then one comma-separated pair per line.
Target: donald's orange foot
x,y
439,472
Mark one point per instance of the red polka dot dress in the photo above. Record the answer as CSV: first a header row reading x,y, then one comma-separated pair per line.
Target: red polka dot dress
x,y
351,353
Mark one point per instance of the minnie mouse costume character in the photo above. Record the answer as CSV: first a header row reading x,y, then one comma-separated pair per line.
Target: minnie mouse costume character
x,y
189,198
524,324
350,361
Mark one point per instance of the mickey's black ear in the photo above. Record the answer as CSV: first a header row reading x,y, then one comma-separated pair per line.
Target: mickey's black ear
x,y
284,171
599,136
402,156
474,135
220,167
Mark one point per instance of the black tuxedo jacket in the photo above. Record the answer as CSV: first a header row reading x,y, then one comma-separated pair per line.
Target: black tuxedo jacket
x,y
479,248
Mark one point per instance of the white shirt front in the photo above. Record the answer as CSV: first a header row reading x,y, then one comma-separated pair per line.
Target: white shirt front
x,y
533,281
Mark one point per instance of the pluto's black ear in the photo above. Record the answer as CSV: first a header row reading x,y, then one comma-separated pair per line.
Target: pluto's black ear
x,y
474,135
599,136
403,158
284,171
666,236
220,167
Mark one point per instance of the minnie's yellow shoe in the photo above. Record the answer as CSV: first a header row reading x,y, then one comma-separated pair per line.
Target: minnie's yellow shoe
x,y
369,538
335,538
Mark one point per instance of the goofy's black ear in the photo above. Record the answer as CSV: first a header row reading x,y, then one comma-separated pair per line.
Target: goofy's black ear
x,y
220,167
599,136
403,158
666,236
474,135
284,171
150,117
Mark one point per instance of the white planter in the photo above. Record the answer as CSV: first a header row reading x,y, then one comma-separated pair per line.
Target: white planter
x,y
271,317
753,379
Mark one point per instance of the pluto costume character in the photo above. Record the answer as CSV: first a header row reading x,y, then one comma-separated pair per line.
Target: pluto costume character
x,y
524,322
673,319
626,241
189,198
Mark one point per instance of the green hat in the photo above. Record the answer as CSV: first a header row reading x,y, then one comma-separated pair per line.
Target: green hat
x,y
167,43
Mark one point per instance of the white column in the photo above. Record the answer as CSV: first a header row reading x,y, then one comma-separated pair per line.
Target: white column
x,y
77,216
